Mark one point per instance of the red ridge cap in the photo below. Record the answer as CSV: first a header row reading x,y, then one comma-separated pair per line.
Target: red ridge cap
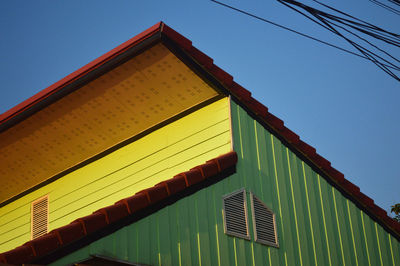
x,y
18,255
321,162
69,233
176,184
350,187
182,41
240,92
338,176
289,135
259,108
221,75
156,193
114,212
3,258
93,222
367,201
307,149
135,203
108,215
274,121
44,244
192,177
201,57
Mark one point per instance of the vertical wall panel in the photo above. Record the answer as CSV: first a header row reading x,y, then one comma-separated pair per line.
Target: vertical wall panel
x,y
315,216
395,250
343,228
316,224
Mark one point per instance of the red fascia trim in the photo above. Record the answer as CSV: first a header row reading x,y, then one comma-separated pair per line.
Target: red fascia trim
x,y
79,73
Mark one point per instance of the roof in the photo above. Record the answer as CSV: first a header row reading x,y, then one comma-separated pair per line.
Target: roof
x,y
84,229
226,83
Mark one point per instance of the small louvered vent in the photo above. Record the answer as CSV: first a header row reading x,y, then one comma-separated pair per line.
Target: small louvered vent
x,y
264,223
235,214
40,217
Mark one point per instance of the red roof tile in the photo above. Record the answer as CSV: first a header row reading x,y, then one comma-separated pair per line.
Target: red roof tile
x,y
69,233
135,203
238,92
100,219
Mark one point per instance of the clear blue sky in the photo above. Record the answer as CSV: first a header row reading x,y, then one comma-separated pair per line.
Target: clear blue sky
x,y
342,105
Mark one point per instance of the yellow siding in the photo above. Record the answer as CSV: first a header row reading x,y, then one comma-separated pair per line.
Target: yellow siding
x,y
177,147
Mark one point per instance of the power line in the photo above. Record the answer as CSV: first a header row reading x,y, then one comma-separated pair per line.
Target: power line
x,y
396,2
391,9
296,32
327,21
323,24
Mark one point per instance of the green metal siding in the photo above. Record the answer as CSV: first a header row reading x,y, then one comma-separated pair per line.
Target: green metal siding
x,y
316,224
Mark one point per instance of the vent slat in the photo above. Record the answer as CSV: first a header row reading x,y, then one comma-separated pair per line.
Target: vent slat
x,y
40,216
235,220
264,223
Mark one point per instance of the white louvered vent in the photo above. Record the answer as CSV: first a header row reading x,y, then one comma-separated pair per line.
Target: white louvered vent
x,y
264,223
40,217
235,214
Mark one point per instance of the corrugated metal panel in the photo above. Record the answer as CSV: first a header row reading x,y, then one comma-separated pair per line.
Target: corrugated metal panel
x,y
316,224
190,141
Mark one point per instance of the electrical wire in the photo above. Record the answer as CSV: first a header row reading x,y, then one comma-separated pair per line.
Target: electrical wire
x,y
322,24
366,24
362,26
299,33
333,23
389,8
396,2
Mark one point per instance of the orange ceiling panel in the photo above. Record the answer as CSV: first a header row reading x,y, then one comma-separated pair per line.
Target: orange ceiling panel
x,y
137,95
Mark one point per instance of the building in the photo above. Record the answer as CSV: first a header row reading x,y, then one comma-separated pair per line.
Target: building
x,y
151,154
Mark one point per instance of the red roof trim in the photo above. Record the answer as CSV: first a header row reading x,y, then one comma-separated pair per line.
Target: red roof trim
x,y
78,73
99,219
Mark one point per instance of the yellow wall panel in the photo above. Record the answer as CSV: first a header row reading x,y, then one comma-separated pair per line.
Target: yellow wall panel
x,y
174,148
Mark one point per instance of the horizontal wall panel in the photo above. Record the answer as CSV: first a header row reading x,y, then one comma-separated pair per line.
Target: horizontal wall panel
x,y
177,147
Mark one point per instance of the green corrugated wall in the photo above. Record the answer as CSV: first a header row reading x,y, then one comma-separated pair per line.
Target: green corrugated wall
x,y
316,224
